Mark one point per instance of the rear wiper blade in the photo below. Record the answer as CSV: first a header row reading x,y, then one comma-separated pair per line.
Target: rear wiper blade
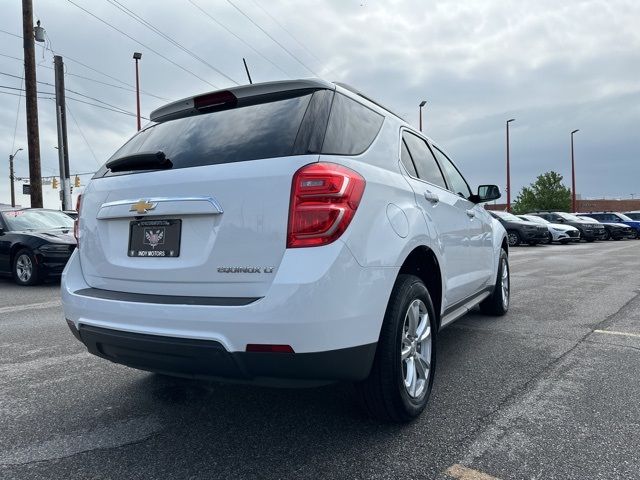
x,y
140,161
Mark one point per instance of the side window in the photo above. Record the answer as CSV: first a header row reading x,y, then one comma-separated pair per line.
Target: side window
x,y
458,183
405,157
425,163
352,127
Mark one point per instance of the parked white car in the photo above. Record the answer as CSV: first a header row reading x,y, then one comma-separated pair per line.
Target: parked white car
x,y
288,232
557,231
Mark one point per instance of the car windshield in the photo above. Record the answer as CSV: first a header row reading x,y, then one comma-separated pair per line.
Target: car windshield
x,y
571,218
508,216
623,217
533,218
633,215
18,220
589,219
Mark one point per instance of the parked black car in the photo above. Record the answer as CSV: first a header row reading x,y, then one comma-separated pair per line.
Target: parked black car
x,y
520,231
613,231
589,231
35,243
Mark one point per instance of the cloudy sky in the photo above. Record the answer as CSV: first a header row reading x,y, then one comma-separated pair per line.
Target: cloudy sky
x,y
554,66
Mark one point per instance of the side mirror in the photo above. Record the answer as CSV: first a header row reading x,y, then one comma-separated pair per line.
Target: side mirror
x,y
486,193
559,220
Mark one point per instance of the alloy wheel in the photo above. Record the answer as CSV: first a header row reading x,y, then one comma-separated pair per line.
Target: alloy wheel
x,y
505,285
415,352
24,268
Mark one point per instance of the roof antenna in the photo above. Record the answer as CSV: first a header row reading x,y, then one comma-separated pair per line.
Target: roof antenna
x,y
247,69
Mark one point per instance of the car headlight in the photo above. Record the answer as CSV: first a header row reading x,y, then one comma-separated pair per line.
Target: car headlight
x,y
56,248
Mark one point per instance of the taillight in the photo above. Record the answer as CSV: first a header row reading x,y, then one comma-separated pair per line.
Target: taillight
x,y
76,223
215,101
324,199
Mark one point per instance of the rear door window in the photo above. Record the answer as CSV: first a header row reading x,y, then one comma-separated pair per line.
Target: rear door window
x,y
352,127
425,163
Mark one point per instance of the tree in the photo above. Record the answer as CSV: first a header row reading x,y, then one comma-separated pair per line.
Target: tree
x,y
546,193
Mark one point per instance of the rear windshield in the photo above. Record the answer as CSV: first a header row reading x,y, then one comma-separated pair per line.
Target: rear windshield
x,y
264,130
300,123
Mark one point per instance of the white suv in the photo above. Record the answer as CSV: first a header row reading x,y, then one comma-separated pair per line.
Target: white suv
x,y
292,233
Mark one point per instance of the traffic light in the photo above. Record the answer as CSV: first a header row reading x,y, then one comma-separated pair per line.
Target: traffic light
x,y
54,183
76,182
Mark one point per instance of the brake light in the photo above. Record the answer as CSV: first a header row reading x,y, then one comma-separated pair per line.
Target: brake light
x,y
215,101
324,199
76,223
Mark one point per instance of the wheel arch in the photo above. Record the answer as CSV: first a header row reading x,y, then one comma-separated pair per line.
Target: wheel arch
x,y
423,263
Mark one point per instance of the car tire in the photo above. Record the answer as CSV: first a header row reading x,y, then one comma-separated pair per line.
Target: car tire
x,y
498,303
549,238
399,384
513,238
25,268
607,236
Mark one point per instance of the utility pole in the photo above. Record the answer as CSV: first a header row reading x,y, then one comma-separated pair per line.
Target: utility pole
x,y
12,178
137,56
63,149
31,101
509,168
573,175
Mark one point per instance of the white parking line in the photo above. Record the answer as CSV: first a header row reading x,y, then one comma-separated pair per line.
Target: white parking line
x,y
624,334
30,306
463,473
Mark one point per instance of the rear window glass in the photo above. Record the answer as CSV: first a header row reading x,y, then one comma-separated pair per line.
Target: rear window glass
x,y
352,127
264,130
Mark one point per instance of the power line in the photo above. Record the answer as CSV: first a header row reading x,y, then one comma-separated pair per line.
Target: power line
x,y
15,127
127,87
116,109
217,22
142,44
12,34
82,135
71,91
159,32
271,37
287,31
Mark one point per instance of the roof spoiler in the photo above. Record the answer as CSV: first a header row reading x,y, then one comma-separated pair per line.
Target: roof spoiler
x,y
233,97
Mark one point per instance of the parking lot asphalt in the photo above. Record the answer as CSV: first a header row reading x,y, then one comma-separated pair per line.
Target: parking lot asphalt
x,y
550,391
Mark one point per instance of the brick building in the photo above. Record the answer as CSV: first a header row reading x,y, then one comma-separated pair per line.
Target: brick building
x,y
591,205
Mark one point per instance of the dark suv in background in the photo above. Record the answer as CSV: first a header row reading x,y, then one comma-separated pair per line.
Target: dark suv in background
x,y
589,231
615,218
521,231
613,231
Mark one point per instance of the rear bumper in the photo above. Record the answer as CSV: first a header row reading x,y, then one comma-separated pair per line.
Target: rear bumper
x,y
209,359
325,306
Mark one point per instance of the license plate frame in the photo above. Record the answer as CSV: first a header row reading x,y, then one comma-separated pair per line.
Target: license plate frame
x,y
155,238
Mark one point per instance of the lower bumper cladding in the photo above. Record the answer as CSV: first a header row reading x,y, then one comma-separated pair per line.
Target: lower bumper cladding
x,y
209,359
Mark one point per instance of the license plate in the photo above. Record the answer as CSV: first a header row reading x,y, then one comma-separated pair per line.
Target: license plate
x,y
154,238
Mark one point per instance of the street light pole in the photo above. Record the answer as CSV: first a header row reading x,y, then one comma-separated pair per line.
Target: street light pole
x,y
509,168
12,178
422,104
573,175
137,56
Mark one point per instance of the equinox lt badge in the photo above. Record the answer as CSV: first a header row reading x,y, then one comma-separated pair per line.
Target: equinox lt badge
x,y
246,269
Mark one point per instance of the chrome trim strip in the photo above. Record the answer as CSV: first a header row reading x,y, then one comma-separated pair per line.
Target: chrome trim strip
x,y
210,200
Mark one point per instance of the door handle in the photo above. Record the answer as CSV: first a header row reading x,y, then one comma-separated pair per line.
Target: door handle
x,y
431,197
471,213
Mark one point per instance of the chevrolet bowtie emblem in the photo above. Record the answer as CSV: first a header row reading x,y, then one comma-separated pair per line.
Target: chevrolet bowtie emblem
x,y
142,206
